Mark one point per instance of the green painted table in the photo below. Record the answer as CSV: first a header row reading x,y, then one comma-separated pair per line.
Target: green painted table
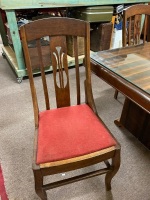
x,y
15,55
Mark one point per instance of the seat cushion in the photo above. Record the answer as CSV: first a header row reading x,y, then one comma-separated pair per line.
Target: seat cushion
x,y
69,132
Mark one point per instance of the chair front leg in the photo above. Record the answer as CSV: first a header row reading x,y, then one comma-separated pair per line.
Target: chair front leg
x,y
115,168
38,178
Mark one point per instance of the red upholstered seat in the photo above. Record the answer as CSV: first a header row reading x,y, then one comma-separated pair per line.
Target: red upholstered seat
x,y
78,129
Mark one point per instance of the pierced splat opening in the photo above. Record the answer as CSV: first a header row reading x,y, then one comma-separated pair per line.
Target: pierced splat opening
x,y
60,70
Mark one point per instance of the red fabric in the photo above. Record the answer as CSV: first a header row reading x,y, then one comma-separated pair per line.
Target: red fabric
x,y
3,195
69,132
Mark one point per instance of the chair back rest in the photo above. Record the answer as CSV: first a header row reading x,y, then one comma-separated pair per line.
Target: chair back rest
x,y
52,51
133,17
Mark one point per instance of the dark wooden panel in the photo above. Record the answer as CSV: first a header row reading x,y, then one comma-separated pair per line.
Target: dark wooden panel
x,y
137,121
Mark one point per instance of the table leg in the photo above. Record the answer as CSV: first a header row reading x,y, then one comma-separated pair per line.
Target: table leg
x,y
121,122
136,120
12,23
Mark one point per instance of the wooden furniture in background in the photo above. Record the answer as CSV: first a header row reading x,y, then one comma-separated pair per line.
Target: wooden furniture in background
x,y
132,21
15,56
68,137
128,70
101,36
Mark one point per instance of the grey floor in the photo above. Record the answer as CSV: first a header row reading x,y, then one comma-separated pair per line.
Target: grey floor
x,y
132,182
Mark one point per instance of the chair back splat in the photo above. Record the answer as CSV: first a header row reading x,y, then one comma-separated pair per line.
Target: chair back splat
x,y
71,135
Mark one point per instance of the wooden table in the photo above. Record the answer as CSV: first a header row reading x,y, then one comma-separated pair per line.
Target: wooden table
x,y
128,70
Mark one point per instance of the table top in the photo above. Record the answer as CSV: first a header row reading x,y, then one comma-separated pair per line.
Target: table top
x,y
130,63
17,4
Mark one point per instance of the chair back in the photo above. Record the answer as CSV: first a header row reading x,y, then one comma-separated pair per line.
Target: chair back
x,y
133,18
48,39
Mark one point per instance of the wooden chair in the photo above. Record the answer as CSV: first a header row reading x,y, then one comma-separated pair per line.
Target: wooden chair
x,y
133,18
68,137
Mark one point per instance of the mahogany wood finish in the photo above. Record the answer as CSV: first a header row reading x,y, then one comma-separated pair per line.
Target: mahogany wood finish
x,y
56,29
128,70
131,29
136,120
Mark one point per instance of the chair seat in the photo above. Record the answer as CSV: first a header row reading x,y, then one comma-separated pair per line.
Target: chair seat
x,y
77,127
